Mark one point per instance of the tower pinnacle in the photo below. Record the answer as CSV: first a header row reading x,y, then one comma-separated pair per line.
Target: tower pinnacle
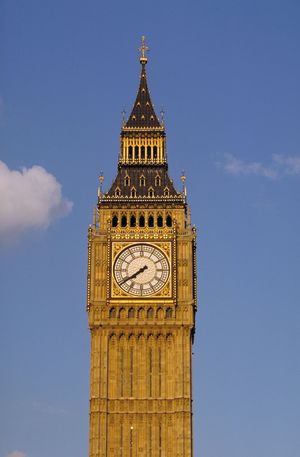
x,y
144,48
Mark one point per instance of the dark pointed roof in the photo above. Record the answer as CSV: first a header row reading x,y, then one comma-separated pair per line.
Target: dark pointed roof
x,y
143,114
149,175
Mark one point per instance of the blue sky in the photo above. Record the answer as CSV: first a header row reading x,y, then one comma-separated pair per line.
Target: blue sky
x,y
227,75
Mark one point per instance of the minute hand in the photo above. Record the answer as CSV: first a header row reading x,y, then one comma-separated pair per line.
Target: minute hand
x,y
134,274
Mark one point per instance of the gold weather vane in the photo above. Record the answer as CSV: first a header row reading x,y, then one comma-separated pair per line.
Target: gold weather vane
x,y
144,48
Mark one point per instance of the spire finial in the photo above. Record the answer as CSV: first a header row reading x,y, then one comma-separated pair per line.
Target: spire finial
x,y
183,179
144,48
123,117
101,179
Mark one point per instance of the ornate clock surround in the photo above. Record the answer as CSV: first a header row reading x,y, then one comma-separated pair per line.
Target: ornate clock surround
x,y
167,292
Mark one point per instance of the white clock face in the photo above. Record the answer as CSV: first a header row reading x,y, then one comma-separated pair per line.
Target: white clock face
x,y
141,269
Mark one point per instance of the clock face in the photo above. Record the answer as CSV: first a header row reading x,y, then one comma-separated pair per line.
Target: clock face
x,y
141,269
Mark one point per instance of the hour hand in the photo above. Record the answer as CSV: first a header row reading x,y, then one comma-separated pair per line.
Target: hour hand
x,y
134,275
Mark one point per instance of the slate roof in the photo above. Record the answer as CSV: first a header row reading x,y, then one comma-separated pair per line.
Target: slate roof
x,y
142,178
143,114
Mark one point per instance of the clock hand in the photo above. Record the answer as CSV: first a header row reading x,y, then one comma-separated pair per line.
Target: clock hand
x,y
134,275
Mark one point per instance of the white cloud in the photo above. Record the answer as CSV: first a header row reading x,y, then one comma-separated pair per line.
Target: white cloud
x,y
16,454
236,166
280,165
290,164
29,198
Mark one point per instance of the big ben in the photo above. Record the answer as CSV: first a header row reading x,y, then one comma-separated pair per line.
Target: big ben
x,y
141,299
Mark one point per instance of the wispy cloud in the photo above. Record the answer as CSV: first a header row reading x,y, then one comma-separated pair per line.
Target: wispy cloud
x,y
16,454
290,165
29,198
279,166
44,408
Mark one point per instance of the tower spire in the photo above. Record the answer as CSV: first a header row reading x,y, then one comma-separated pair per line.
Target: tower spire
x,y
143,115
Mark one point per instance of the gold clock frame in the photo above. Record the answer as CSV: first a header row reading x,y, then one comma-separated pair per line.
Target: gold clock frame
x,y
166,292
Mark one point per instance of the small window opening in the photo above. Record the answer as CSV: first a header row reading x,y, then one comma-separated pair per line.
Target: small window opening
x,y
130,153
127,181
166,192
151,221
155,152
133,192
143,153
169,221
159,221
117,192
157,180
148,152
142,221
114,221
136,152
150,192
124,221
132,221
142,181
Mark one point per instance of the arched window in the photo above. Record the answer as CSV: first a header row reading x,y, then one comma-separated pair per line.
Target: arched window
x,y
155,152
112,312
124,221
130,153
150,221
136,153
148,152
143,153
169,313
169,221
126,181
133,192
114,221
142,181
142,221
166,192
150,313
131,313
132,221
159,221
150,192
117,192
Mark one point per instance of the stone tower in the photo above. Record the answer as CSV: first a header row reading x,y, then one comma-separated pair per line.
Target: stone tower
x,y
141,299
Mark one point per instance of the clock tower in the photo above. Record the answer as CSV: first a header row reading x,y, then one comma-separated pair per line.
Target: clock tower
x,y
141,299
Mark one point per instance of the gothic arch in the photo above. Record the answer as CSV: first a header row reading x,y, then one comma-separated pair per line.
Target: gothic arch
x,y
141,313
131,313
160,313
150,313
122,313
112,313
